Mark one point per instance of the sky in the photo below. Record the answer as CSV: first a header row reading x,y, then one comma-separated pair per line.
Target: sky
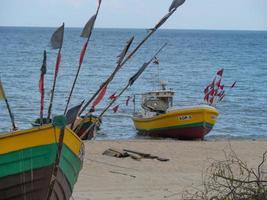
x,y
193,14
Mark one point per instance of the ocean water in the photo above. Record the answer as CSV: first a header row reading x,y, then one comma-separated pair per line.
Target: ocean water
x,y
188,64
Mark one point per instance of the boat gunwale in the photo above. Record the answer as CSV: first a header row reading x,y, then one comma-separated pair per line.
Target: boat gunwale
x,y
176,111
34,129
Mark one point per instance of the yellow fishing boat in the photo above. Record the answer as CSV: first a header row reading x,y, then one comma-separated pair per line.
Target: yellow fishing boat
x,y
40,163
159,118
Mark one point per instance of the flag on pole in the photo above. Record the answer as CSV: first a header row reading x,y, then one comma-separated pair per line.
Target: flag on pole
x,y
124,51
57,38
58,63
43,72
41,84
2,92
99,97
221,94
82,53
222,97
162,21
99,2
87,30
156,61
113,96
233,85
218,83
72,113
137,74
175,4
116,108
220,72
127,100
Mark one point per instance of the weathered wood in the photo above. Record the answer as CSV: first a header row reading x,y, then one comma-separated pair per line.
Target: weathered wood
x,y
115,153
135,156
123,153
145,155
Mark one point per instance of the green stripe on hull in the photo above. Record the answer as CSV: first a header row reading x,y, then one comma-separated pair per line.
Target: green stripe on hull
x,y
71,165
37,157
200,124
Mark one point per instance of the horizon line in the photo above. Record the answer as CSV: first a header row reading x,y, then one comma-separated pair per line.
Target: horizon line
x,y
139,28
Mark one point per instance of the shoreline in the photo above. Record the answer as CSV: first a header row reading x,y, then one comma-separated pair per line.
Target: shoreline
x,y
104,177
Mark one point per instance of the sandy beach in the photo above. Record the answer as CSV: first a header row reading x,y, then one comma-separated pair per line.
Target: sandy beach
x,y
109,178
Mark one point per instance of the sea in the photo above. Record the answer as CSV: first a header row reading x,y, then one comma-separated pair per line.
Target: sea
x,y
188,64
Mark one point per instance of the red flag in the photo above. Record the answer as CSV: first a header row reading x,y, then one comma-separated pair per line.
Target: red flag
x,y
221,87
210,86
212,92
41,89
233,84
220,72
57,63
127,100
211,100
218,83
113,96
206,89
115,109
99,97
83,52
206,98
41,83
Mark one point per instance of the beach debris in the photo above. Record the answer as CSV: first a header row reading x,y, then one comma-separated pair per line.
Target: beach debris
x,y
3,97
136,155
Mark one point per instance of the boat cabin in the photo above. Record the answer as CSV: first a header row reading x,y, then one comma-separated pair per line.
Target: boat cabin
x,y
157,102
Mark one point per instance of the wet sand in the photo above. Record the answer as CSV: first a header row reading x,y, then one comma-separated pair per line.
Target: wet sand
x,y
109,178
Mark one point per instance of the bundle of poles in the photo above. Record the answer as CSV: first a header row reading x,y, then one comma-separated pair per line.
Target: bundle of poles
x,y
123,58
215,91
96,98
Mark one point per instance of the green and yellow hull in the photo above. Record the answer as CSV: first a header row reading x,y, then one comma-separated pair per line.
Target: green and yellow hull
x,y
27,161
184,123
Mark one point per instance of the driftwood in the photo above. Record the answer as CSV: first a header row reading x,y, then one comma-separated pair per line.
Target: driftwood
x,y
136,155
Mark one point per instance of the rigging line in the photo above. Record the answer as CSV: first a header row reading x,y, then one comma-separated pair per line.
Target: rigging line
x,y
108,164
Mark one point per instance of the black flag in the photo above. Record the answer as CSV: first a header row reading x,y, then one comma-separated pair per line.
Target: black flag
x,y
140,71
88,27
124,51
175,4
72,113
57,38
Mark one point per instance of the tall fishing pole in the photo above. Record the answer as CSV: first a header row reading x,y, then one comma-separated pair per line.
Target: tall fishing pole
x,y
41,88
56,43
130,83
3,96
86,33
175,4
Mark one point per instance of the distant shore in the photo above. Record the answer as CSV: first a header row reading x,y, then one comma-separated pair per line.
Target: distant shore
x,y
109,178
